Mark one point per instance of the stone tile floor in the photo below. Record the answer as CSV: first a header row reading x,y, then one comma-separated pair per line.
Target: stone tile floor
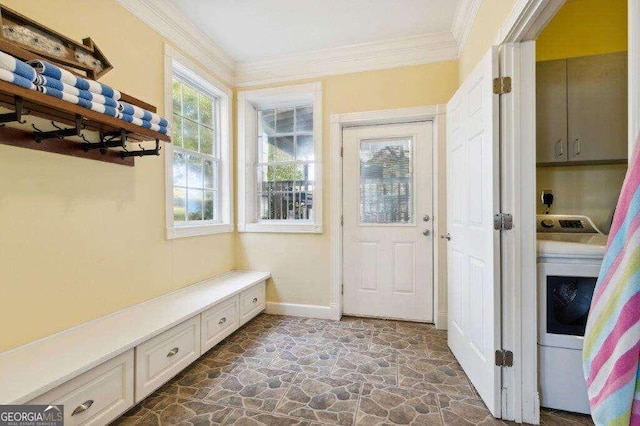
x,y
280,370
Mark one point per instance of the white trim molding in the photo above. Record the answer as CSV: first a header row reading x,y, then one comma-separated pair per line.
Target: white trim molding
x,y
249,102
413,50
435,113
175,27
298,310
200,78
466,13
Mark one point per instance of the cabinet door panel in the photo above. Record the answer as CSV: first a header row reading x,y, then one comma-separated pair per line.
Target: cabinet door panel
x,y
597,117
551,111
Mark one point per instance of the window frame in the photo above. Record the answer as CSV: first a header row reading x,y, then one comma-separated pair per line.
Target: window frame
x,y
249,102
193,75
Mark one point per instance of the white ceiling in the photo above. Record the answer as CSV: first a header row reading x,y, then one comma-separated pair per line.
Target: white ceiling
x,y
252,30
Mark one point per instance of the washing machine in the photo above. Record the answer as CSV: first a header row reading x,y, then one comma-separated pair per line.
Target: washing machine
x,y
570,252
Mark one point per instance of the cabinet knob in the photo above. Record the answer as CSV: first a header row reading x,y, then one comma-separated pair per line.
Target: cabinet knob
x,y
559,148
172,352
222,320
255,300
83,407
577,146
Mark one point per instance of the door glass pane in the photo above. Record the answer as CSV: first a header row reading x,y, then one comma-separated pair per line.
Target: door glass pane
x,y
386,181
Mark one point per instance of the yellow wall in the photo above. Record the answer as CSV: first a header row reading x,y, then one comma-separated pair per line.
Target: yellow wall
x,y
484,31
582,28
300,263
81,238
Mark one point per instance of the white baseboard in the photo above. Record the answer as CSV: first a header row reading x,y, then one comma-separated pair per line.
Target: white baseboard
x,y
298,310
441,320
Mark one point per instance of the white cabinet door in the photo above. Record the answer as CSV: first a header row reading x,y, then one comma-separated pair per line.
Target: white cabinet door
x,y
473,250
388,246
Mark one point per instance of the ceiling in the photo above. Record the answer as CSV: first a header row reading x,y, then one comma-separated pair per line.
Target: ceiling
x,y
253,30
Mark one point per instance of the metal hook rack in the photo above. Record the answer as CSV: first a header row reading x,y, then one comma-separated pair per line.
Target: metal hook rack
x,y
59,133
16,115
141,152
107,140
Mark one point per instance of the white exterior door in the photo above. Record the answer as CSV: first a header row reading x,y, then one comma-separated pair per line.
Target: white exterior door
x,y
387,207
473,251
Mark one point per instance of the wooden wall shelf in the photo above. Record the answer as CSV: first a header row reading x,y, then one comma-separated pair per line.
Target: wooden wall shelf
x,y
38,104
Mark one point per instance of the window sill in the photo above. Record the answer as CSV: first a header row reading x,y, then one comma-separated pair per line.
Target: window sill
x,y
284,228
198,230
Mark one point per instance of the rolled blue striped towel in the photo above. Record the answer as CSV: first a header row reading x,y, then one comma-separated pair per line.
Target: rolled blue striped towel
x,y
143,123
104,109
50,70
137,112
7,75
16,66
67,88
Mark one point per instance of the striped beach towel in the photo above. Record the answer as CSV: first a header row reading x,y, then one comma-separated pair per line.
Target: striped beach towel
x,y
84,94
611,350
14,78
101,108
143,123
50,70
16,66
137,112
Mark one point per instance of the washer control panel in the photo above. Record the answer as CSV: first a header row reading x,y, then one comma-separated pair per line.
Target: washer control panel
x,y
566,224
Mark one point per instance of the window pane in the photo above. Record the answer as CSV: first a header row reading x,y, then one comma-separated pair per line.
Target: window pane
x,y
179,201
284,121
266,122
284,150
209,205
206,140
191,135
304,119
208,175
177,96
176,133
190,102
195,172
206,111
304,148
285,192
386,181
194,204
179,169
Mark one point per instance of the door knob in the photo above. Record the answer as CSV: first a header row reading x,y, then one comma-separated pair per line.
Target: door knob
x,y
446,237
426,218
426,232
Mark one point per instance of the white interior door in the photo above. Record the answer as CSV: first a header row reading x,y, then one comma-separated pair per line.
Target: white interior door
x,y
387,208
473,251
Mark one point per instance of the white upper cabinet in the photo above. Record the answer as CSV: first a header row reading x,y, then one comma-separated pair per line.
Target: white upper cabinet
x,y
582,109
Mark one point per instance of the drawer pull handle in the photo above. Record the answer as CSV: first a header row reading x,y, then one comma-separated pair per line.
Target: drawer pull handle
x,y
172,352
255,300
222,320
83,407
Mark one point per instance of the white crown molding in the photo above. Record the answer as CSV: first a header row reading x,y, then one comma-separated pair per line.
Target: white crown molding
x,y
393,53
463,20
174,26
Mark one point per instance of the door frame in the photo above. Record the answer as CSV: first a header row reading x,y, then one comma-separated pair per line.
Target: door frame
x,y
518,138
433,113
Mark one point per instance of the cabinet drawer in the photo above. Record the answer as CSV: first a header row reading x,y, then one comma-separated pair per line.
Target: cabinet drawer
x,y
162,357
98,396
219,322
252,302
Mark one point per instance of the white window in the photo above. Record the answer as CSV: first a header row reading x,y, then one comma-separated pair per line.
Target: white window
x,y
199,158
279,158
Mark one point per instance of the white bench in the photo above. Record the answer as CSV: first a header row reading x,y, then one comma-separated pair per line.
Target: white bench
x,y
91,368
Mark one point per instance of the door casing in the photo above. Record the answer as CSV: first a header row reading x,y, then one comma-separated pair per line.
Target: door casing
x,y
434,113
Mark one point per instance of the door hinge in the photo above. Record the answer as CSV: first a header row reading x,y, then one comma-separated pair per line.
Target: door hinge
x,y
341,220
341,288
341,152
502,85
502,222
504,358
